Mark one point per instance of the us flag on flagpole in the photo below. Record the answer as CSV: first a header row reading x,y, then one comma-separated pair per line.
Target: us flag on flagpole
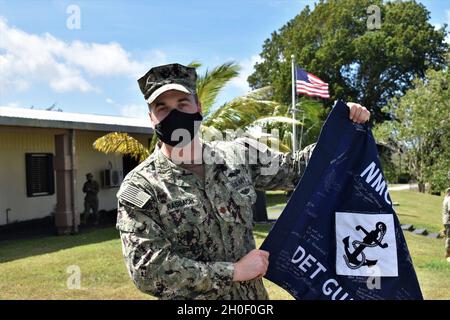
x,y
309,84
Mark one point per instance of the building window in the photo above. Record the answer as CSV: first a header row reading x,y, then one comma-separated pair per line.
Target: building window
x,y
40,175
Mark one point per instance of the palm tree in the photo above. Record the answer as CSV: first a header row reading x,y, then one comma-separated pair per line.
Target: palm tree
x,y
312,115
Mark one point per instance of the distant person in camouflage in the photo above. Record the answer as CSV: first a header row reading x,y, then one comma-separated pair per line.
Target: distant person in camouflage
x,y
446,222
185,213
91,189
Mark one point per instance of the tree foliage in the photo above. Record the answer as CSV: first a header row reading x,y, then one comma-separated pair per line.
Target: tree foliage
x,y
333,42
421,128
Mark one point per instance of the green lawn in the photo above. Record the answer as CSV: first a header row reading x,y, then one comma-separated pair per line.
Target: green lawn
x,y
421,210
275,198
37,268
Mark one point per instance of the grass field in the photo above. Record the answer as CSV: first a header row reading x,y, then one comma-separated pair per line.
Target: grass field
x,y
38,268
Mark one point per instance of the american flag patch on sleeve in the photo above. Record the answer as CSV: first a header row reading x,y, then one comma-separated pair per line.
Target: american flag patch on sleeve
x,y
134,196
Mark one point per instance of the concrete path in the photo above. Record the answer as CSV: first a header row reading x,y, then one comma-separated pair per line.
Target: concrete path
x,y
400,187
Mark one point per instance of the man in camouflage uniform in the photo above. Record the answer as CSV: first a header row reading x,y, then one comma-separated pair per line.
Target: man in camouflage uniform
x,y
446,222
186,227
91,189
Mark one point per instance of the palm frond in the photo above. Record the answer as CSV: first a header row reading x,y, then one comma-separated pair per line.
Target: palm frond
x,y
153,143
212,82
274,119
195,64
264,93
122,143
277,142
240,113
287,139
312,108
313,113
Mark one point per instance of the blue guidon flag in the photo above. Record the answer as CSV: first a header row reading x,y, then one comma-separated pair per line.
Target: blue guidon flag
x,y
339,237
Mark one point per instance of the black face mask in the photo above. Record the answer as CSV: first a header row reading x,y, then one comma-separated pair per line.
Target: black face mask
x,y
189,124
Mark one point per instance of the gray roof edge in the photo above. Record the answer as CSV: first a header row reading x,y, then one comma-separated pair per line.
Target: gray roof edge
x,y
38,123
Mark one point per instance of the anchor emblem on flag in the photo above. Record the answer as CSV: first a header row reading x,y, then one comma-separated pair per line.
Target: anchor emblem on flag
x,y
371,239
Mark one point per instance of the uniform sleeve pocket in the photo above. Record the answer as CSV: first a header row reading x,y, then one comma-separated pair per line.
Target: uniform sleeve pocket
x,y
131,220
131,226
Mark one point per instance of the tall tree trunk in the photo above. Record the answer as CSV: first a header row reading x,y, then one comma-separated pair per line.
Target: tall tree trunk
x,y
421,187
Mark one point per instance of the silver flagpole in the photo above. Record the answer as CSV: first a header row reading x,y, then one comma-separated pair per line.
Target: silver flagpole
x,y
294,128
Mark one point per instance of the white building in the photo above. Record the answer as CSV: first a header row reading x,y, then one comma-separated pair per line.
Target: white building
x,y
45,155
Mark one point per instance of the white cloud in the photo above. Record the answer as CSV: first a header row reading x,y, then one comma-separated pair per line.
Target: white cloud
x,y
247,68
448,22
26,59
101,59
131,110
135,110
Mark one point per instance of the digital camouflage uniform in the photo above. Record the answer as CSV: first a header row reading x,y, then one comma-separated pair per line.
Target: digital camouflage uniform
x,y
446,222
180,235
91,188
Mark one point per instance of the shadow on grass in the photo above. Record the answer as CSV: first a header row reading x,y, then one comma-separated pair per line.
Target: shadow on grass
x,y
406,215
11,250
15,249
276,198
25,248
261,230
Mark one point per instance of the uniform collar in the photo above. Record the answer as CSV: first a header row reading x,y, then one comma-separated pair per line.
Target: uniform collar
x,y
177,175
168,170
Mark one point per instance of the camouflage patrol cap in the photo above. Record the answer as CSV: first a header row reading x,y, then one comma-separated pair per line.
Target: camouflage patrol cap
x,y
167,77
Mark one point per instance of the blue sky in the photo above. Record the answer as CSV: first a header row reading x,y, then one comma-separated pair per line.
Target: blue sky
x,y
94,69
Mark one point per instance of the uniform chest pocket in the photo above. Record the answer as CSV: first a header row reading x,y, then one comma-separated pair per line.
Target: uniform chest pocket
x,y
245,195
245,198
235,206
184,219
239,184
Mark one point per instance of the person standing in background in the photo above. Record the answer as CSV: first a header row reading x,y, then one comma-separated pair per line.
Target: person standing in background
x,y
91,188
446,222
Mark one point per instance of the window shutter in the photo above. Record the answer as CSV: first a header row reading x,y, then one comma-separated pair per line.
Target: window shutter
x,y
39,174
